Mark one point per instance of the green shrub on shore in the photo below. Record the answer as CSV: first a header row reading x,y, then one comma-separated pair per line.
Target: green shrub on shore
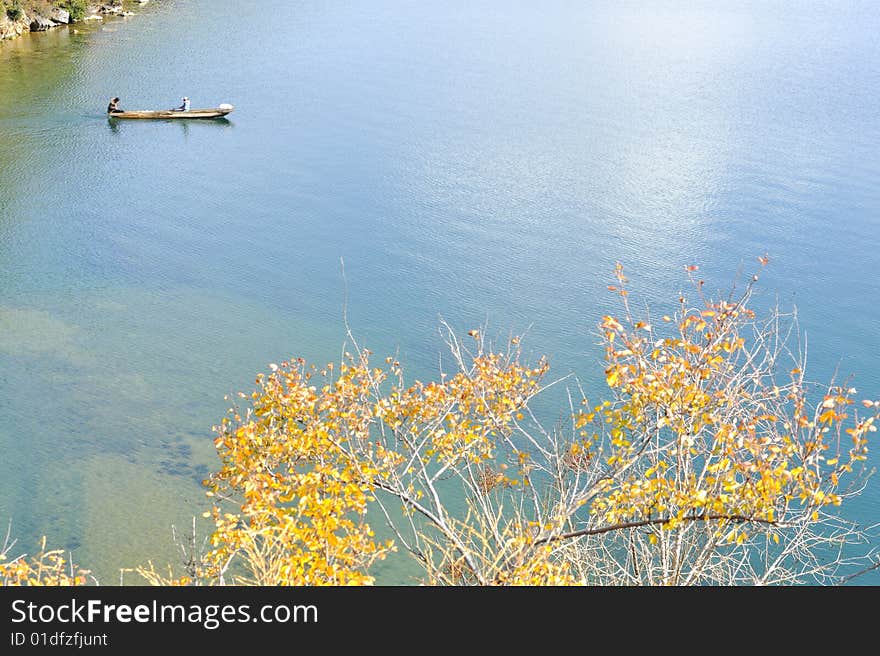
x,y
76,8
14,10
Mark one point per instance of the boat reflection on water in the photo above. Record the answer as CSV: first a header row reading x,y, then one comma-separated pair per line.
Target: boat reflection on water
x,y
115,125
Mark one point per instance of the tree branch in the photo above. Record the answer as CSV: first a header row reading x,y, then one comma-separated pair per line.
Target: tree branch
x,y
653,522
847,579
437,521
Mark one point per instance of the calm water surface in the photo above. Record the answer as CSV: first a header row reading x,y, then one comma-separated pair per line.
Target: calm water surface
x,y
480,161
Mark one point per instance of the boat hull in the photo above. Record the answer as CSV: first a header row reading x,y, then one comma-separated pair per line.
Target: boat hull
x,y
172,114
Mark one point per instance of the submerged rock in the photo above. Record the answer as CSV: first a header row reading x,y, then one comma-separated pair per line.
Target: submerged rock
x,y
41,24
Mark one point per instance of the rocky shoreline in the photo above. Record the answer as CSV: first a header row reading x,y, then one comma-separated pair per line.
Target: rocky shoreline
x,y
39,20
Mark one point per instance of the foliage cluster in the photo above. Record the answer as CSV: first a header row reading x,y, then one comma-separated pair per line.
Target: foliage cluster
x,y
46,568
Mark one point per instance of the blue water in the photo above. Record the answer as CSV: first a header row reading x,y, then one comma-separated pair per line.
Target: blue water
x,y
484,162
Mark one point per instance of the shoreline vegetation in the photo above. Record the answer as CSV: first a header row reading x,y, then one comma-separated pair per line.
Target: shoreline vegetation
x,y
18,17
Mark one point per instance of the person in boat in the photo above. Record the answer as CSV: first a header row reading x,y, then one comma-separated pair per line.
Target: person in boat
x,y
113,107
184,107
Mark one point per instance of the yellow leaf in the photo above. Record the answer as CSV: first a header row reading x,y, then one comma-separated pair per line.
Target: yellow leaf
x,y
613,377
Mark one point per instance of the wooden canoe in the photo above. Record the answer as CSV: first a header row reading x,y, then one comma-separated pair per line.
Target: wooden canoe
x,y
214,112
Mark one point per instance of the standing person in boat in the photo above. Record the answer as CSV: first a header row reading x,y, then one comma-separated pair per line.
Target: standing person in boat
x,y
113,107
184,107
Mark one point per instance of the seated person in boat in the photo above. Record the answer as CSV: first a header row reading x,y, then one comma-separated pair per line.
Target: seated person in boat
x,y
113,107
184,107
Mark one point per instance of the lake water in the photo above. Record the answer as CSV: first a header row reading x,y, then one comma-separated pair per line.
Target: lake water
x,y
477,161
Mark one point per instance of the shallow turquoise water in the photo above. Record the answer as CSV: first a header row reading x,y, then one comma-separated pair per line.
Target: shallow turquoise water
x,y
479,161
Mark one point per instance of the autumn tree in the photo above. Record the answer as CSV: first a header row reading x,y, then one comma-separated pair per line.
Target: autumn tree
x,y
710,462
